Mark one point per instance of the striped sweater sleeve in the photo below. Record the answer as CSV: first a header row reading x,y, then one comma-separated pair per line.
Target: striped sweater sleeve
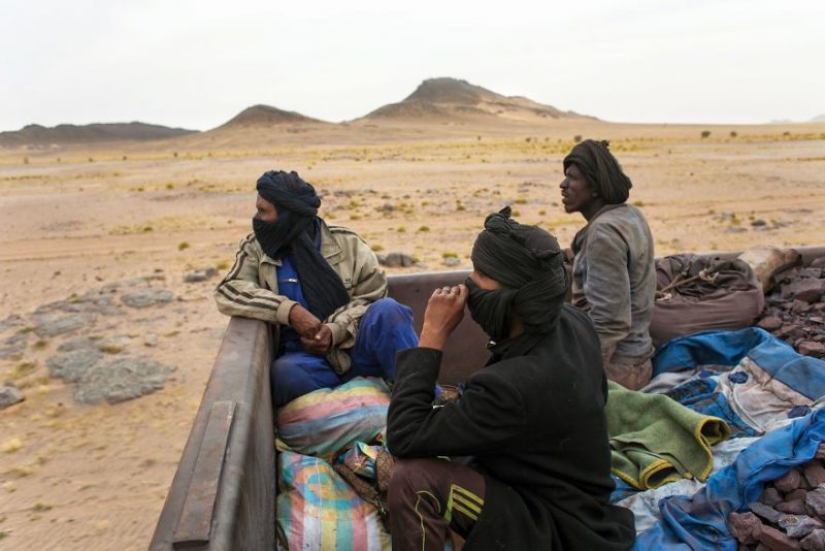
x,y
241,294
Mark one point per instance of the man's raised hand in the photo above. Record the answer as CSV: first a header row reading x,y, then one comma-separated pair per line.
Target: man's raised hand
x,y
445,310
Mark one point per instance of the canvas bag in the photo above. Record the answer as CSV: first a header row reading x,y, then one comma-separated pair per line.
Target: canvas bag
x,y
697,293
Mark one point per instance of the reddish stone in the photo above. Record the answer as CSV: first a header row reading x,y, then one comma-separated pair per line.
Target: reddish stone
x,y
789,481
745,527
793,507
799,493
811,348
800,307
771,496
803,484
770,323
816,501
777,540
815,541
808,290
785,331
814,473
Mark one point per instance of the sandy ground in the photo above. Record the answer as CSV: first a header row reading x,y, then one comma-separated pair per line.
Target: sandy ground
x,y
76,476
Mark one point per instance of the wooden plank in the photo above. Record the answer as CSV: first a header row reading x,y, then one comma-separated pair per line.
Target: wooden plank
x,y
195,523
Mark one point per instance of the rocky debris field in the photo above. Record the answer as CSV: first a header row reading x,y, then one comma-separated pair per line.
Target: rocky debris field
x,y
102,341
790,513
795,309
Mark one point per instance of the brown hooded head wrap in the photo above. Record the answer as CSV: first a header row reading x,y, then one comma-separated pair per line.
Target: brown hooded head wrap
x,y
601,169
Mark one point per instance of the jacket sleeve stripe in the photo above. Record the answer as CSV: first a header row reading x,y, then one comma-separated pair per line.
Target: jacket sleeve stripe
x,y
247,299
239,260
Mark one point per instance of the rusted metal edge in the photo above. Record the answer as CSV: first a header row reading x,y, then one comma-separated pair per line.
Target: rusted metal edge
x,y
241,376
195,521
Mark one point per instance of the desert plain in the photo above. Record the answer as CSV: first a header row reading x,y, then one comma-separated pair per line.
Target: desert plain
x,y
81,220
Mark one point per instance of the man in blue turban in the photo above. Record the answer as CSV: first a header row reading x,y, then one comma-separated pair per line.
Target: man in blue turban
x,y
322,289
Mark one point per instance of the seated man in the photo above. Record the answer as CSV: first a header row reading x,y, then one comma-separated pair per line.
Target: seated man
x,y
530,425
320,287
613,272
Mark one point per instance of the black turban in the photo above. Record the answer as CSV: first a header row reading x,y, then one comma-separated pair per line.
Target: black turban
x,y
295,232
527,262
601,170
287,190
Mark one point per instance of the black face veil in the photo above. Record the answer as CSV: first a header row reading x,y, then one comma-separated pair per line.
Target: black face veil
x,y
527,262
294,232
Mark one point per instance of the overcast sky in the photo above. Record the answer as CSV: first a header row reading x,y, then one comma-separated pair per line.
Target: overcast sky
x,y
197,63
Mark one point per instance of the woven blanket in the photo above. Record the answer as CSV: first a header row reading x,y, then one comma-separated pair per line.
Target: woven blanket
x,y
656,440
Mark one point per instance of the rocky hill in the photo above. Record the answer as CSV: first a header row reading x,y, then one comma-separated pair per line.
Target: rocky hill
x,y
454,98
67,134
266,115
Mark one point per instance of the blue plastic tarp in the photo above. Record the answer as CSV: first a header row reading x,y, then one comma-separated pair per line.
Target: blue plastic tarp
x,y
804,374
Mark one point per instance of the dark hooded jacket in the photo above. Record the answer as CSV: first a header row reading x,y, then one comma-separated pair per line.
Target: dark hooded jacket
x,y
534,420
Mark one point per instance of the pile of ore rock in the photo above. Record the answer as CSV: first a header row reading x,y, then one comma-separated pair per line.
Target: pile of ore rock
x,y
795,308
790,513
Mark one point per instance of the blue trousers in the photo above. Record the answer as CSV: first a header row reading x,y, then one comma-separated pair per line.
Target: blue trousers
x,y
386,328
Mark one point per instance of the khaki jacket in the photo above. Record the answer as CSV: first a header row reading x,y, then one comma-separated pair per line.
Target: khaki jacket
x,y
250,289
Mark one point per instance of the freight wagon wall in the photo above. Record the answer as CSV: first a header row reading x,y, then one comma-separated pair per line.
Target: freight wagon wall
x,y
223,494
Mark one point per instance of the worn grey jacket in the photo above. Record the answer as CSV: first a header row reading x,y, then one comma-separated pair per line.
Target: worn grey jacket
x,y
250,289
614,280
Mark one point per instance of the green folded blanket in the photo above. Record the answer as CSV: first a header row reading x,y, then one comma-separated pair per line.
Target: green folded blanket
x,y
656,440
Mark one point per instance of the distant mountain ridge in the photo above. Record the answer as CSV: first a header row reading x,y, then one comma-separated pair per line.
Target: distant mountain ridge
x,y
443,99
64,134
436,99
817,119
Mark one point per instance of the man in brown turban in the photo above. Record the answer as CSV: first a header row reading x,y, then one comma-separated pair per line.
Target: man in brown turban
x,y
614,276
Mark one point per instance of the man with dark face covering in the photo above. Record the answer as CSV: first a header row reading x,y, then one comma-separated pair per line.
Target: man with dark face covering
x,y
532,419
320,287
